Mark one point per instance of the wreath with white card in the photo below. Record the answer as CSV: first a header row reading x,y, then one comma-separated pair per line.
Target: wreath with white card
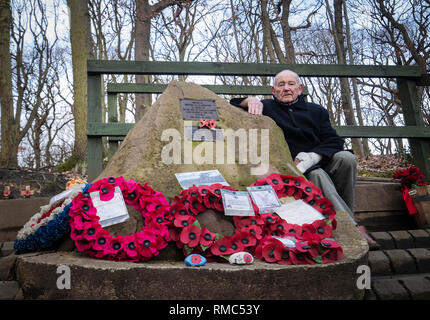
x,y
289,243
192,238
91,238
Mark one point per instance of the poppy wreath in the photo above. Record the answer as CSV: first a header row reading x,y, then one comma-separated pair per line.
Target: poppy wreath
x,y
97,242
47,227
192,238
309,243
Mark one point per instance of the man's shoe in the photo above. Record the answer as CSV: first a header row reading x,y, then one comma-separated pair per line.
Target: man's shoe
x,y
373,245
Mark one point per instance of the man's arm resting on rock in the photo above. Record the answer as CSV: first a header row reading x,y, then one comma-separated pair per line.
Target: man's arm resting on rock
x,y
254,105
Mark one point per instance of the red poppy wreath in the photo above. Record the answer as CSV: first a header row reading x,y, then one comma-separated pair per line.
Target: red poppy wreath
x,y
91,238
287,243
193,238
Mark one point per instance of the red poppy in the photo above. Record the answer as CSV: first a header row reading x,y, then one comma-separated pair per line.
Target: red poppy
x,y
90,232
218,205
203,190
322,229
279,228
102,241
282,255
270,218
215,189
307,228
130,247
268,251
175,233
190,235
222,247
331,251
207,237
115,245
311,238
147,243
255,230
293,229
183,220
83,245
246,238
236,243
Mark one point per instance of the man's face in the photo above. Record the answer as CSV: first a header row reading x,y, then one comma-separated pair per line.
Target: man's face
x,y
287,88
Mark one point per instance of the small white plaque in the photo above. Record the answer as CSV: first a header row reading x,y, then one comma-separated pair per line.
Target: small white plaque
x,y
264,197
237,203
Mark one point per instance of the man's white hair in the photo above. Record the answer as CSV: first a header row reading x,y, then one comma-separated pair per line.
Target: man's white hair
x,y
289,71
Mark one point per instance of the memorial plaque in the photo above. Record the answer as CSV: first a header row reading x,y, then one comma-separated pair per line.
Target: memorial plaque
x,y
198,109
193,133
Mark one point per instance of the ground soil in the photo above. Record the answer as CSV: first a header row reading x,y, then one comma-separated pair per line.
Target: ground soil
x,y
47,183
43,183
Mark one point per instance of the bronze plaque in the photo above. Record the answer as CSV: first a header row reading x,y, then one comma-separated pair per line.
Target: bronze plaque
x,y
198,109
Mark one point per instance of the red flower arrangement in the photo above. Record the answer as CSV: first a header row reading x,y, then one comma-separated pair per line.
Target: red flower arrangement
x,y
313,243
91,238
194,239
410,178
255,234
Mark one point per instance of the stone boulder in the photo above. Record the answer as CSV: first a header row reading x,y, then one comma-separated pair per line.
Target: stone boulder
x,y
147,152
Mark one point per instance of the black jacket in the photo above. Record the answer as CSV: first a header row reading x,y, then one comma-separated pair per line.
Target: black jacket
x,y
306,127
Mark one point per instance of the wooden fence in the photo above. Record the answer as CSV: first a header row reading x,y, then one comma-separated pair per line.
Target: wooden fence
x,y
407,77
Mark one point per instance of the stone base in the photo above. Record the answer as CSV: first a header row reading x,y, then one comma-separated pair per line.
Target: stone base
x,y
168,280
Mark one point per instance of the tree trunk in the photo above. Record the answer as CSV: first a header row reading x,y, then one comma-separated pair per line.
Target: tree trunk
x,y
267,42
286,32
365,142
142,49
9,127
345,89
80,38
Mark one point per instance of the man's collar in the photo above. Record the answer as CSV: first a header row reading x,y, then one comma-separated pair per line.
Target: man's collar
x,y
297,104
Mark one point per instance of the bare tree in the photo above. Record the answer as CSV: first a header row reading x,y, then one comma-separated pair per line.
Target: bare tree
x,y
81,42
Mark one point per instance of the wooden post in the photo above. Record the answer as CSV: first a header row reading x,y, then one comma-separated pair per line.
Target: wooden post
x,y
420,148
95,145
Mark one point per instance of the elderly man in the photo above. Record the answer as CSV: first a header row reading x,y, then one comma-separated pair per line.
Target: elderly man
x,y
316,148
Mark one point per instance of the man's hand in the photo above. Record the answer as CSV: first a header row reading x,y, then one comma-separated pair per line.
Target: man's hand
x,y
305,160
255,106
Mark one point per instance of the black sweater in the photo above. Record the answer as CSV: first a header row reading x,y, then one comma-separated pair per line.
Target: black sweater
x,y
306,126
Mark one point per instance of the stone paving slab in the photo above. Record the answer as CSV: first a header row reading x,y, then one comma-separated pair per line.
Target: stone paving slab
x,y
422,258
6,248
421,238
418,287
8,290
401,261
379,263
402,239
389,289
384,239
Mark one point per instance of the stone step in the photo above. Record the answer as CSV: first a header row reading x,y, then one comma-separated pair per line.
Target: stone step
x,y
402,239
404,287
399,261
9,290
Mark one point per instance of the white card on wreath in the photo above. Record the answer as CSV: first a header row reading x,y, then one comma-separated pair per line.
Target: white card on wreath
x,y
264,197
236,203
298,212
197,178
112,211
